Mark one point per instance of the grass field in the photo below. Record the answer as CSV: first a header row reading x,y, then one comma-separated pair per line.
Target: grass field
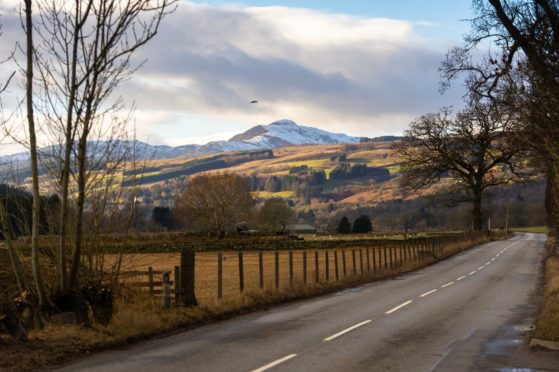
x,y
330,265
269,195
532,229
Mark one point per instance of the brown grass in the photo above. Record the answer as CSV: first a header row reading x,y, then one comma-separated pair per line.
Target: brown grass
x,y
547,326
207,268
138,317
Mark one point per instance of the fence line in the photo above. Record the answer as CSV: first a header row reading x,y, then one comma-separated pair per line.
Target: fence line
x,y
228,274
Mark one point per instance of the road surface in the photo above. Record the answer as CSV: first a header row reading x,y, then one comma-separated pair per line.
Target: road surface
x,y
469,312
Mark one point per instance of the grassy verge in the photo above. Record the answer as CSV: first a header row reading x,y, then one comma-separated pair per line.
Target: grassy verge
x,y
137,318
532,229
547,326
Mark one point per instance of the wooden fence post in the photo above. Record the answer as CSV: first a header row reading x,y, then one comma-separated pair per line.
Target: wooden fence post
x,y
336,265
407,248
354,262
276,265
291,269
241,273
344,262
384,247
327,265
261,270
150,280
316,267
305,267
361,260
186,278
374,260
166,290
219,275
368,260
177,281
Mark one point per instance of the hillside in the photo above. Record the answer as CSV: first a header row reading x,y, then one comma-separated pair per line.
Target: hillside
x,y
339,173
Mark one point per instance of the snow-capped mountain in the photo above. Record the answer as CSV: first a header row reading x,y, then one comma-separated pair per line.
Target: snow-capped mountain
x,y
281,133
286,133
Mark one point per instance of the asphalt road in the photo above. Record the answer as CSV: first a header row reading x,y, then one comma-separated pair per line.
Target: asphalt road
x,y
466,313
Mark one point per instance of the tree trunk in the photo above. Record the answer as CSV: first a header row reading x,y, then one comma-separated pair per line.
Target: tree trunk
x,y
68,145
41,293
82,155
477,221
552,198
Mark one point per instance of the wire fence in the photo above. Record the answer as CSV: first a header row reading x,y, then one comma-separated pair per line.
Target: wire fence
x,y
226,275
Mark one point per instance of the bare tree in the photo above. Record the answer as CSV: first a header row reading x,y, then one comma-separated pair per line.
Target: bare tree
x,y
218,202
524,76
275,214
85,54
474,148
29,70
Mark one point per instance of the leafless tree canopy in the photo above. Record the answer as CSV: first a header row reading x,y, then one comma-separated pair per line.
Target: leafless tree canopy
x,y
275,215
474,148
520,74
218,202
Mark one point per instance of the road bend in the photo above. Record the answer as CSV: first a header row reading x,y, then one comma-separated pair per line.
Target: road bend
x,y
444,317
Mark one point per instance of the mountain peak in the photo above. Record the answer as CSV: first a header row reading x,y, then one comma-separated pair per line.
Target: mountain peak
x,y
284,122
286,132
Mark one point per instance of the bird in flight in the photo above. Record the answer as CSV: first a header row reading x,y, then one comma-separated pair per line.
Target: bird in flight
x,y
253,101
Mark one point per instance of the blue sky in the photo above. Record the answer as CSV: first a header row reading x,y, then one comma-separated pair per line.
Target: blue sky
x,y
448,14
366,68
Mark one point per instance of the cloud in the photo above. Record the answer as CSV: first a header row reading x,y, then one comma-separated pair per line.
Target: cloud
x,y
335,71
365,76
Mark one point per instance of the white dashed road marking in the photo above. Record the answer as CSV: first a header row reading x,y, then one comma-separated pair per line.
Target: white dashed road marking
x,y
398,307
275,363
347,330
428,293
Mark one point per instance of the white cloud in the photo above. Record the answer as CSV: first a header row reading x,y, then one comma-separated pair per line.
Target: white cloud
x,y
330,70
365,76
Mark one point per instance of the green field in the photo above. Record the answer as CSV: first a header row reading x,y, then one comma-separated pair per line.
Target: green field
x,y
269,195
532,229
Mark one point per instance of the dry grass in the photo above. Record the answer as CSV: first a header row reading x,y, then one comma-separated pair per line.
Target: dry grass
x,y
548,322
139,317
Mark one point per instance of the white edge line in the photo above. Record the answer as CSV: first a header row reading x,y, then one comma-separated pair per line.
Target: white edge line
x,y
462,277
347,330
275,363
447,284
428,293
398,307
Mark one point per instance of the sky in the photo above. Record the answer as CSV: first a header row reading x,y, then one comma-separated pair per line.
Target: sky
x,y
362,67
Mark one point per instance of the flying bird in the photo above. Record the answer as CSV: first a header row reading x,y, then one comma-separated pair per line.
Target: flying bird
x,y
253,101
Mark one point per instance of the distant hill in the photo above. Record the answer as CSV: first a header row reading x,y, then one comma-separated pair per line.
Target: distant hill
x,y
281,133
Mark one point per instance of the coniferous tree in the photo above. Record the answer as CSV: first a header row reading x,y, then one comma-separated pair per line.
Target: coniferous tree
x,y
362,225
344,227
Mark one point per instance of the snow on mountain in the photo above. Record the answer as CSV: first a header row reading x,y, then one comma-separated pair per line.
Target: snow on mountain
x,y
287,133
281,133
